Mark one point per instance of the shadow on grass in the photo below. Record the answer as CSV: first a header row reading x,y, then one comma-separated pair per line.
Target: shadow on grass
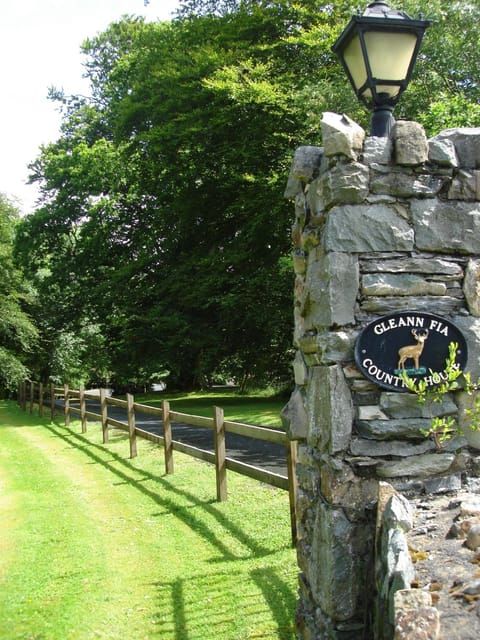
x,y
278,596
184,513
230,603
233,596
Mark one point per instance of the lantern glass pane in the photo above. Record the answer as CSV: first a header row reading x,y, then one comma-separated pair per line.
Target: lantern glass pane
x,y
389,55
354,60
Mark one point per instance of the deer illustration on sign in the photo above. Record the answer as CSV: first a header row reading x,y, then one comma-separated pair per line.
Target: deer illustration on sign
x,y
412,351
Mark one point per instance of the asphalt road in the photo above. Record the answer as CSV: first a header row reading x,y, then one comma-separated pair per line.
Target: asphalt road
x,y
258,453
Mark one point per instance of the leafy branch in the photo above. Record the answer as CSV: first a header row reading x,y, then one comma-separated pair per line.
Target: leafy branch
x,y
443,428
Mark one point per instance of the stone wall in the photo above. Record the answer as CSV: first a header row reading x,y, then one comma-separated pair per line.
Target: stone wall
x,y
381,224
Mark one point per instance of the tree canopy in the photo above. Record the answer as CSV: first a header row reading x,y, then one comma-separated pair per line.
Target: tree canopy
x,y
162,237
17,332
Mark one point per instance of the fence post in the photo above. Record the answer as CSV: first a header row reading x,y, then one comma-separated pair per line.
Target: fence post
x,y
220,455
67,405
83,408
167,437
104,413
52,402
292,487
40,399
131,425
32,395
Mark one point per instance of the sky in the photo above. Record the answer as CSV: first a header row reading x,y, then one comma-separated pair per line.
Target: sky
x,y
40,47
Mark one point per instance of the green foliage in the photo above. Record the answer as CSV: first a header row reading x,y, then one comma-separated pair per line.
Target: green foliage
x,y
443,428
79,358
171,225
445,91
443,384
17,332
12,371
162,200
456,110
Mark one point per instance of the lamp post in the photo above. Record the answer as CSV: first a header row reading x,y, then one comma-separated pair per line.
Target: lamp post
x,y
378,51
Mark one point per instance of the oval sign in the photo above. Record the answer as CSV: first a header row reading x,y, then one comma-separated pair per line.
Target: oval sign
x,y
408,340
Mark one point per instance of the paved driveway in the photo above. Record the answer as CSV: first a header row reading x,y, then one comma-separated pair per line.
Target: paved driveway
x,y
258,453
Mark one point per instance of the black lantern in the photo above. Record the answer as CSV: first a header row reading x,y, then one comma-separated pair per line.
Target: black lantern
x,y
378,51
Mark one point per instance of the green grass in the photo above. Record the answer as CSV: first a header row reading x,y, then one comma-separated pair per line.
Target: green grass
x,y
252,409
95,545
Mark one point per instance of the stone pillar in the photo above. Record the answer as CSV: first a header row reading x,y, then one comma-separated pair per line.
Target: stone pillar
x,y
381,225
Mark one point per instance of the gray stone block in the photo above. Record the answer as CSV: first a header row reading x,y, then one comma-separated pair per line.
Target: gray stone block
x,y
422,466
306,163
470,327
410,143
300,370
377,150
330,290
294,416
465,186
435,220
341,135
386,448
293,188
410,429
445,484
427,266
334,576
466,142
404,284
334,346
398,513
406,405
330,410
345,183
442,152
406,185
471,287
447,305
362,228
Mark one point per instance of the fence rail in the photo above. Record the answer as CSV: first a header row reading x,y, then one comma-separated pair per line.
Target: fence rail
x,y
75,402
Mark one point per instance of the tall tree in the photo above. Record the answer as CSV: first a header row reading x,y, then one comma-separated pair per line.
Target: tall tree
x,y
162,199
17,332
446,88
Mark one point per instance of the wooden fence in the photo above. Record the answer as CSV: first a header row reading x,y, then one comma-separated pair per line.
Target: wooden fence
x,y
75,402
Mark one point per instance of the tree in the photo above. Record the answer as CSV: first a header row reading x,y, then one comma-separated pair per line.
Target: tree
x,y
17,332
446,91
189,200
162,199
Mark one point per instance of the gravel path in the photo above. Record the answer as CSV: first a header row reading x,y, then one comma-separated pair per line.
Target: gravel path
x,y
445,566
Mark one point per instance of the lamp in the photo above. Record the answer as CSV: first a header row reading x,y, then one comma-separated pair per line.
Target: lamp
x,y
378,51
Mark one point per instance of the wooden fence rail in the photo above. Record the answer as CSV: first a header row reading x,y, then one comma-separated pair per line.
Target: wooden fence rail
x,y
75,402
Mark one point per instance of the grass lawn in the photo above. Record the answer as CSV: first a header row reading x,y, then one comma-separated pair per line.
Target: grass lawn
x,y
95,545
252,409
